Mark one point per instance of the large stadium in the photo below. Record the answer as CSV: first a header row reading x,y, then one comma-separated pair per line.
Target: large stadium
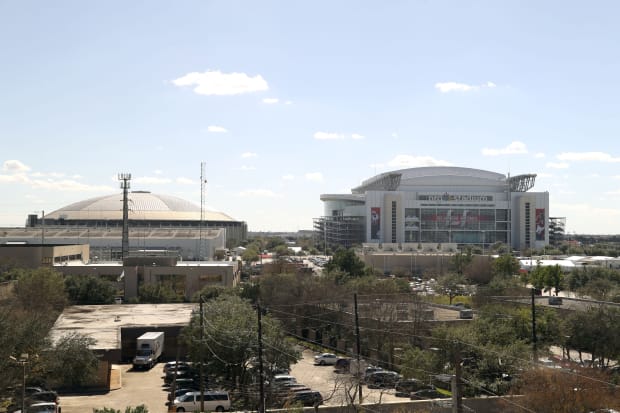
x,y
156,223
441,205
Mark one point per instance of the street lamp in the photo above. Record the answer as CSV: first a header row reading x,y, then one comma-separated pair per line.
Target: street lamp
x,y
23,359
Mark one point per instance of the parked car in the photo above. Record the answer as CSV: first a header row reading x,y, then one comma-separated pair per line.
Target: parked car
x,y
280,379
370,370
383,379
213,400
342,365
305,398
404,388
181,391
171,365
42,407
428,394
44,396
325,359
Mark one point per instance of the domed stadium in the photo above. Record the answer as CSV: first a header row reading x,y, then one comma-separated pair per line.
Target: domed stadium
x,y
157,224
145,209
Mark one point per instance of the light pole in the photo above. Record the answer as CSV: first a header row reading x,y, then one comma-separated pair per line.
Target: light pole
x,y
23,359
483,239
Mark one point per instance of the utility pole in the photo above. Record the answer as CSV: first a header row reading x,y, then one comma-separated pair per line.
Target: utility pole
x,y
457,396
125,178
202,373
534,339
261,387
359,348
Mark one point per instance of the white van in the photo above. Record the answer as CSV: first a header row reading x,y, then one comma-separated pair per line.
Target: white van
x,y
218,401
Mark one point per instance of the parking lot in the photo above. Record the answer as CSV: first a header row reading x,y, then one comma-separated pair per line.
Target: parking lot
x,y
146,387
335,387
138,387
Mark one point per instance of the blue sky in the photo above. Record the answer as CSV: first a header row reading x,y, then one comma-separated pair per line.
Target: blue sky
x,y
286,100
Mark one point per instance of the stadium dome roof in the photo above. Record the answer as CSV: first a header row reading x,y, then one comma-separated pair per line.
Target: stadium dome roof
x,y
143,205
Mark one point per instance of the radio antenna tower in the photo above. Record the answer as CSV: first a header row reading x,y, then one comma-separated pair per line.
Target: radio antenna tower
x,y
202,247
125,178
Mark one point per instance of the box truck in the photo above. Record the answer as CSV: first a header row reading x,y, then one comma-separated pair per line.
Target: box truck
x,y
149,347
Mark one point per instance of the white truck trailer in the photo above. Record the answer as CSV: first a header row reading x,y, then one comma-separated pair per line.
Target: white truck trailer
x,y
149,347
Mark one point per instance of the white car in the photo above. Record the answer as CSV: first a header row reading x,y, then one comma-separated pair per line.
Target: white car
x,y
325,359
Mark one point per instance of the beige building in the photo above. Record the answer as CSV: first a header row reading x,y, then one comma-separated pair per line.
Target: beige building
x,y
185,277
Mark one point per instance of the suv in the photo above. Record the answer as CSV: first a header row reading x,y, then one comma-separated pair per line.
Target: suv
x,y
383,379
213,400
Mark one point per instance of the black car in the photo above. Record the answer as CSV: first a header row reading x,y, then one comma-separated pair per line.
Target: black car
x,y
305,398
383,379
43,396
428,394
404,388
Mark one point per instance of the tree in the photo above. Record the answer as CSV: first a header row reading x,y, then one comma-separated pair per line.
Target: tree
x,y
71,363
506,265
347,261
553,278
545,390
41,290
451,285
229,345
158,293
83,290
460,261
250,255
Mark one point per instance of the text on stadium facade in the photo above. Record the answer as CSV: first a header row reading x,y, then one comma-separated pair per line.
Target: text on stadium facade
x,y
453,197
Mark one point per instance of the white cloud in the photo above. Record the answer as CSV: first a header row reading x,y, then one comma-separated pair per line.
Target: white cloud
x,y
539,155
288,102
446,87
615,177
222,84
288,177
617,192
271,101
151,180
247,168
14,166
408,161
248,155
185,181
69,185
158,172
515,147
328,136
324,136
557,165
216,129
314,177
394,135
261,193
18,178
544,175
587,156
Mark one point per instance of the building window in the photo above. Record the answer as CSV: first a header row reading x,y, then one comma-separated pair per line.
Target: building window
x,y
393,221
